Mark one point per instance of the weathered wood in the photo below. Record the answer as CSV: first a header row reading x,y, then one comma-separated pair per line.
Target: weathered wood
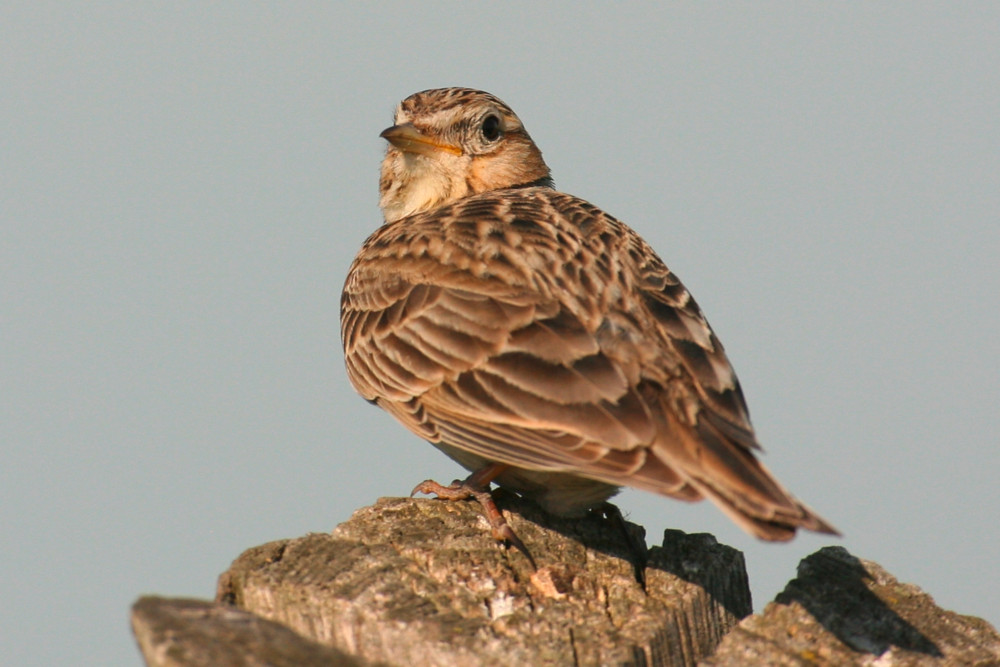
x,y
421,582
182,633
844,611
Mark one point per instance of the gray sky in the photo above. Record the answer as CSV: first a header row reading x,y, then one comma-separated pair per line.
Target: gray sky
x,y
184,185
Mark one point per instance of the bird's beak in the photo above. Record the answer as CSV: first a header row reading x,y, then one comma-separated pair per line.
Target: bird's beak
x,y
409,139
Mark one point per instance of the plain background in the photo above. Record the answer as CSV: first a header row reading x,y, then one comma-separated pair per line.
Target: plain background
x,y
185,184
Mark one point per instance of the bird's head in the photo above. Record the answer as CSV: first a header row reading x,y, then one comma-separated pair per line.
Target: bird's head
x,y
450,143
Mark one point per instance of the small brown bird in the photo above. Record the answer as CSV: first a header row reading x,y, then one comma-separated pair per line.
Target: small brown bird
x,y
535,339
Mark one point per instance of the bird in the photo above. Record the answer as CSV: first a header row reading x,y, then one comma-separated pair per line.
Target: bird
x,y
535,339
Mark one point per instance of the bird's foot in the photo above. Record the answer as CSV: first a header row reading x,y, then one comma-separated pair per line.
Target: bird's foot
x,y
636,547
477,486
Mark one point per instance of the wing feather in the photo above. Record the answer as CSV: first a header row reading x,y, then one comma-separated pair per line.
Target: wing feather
x,y
527,327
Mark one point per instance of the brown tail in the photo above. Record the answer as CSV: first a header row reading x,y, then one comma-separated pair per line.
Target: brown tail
x,y
709,463
740,485
768,523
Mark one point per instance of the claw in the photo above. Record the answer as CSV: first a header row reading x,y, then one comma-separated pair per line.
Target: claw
x,y
477,486
457,490
637,549
505,533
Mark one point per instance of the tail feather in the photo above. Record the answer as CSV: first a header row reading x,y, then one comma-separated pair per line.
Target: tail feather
x,y
774,525
727,473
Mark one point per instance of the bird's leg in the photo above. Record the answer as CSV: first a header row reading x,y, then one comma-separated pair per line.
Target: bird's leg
x,y
460,489
477,485
637,549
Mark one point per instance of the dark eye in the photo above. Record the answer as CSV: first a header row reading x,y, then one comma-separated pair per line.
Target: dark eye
x,y
491,128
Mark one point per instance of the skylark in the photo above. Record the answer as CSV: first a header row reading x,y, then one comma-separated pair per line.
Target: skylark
x,y
535,339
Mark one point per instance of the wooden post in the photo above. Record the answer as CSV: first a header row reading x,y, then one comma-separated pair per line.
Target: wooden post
x,y
422,582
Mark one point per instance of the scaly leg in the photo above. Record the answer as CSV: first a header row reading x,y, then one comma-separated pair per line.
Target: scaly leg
x,y
477,486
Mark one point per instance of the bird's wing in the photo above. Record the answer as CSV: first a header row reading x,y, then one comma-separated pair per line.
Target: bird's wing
x,y
709,435
532,329
505,377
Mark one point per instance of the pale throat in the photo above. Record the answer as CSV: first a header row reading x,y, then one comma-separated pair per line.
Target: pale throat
x,y
418,184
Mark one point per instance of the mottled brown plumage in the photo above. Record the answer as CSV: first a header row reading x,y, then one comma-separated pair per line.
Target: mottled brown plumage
x,y
506,322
